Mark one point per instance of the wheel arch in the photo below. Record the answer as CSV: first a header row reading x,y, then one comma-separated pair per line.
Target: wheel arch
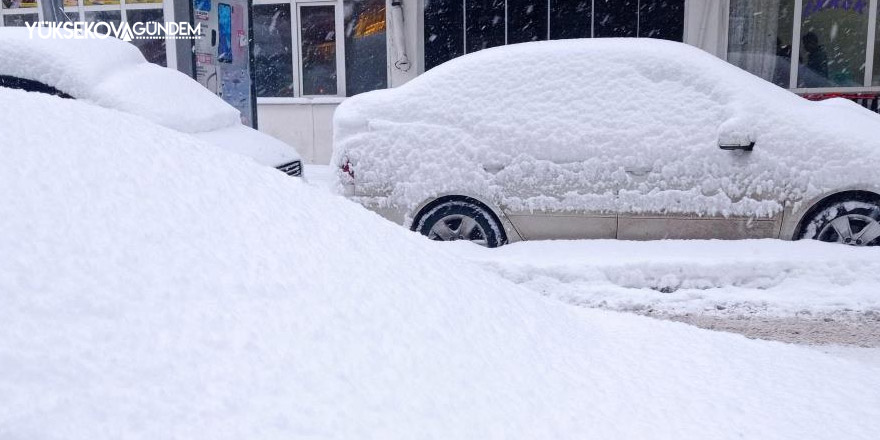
x,y
807,210
510,233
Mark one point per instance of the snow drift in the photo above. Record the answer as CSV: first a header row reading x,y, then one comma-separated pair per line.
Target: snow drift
x,y
556,125
155,287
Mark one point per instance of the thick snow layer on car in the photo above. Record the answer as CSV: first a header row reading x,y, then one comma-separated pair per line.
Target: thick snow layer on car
x,y
765,277
153,288
114,74
563,125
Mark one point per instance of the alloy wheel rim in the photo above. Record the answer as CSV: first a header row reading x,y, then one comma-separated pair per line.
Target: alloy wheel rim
x,y
851,229
455,227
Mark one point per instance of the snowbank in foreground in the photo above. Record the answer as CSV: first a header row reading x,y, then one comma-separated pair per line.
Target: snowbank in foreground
x,y
154,287
769,277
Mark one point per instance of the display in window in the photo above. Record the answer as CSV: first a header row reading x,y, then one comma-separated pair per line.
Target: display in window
x,y
366,56
19,4
318,49
224,30
834,39
100,2
760,38
273,52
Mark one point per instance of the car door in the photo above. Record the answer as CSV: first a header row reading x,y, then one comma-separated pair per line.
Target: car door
x,y
551,200
713,188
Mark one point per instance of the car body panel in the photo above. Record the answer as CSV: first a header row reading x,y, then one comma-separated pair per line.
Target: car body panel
x,y
563,226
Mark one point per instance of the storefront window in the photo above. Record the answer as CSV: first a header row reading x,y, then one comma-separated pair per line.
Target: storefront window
x,y
114,17
485,24
571,19
153,49
366,58
759,38
616,18
273,54
318,49
444,31
19,4
455,27
526,21
834,37
20,19
662,19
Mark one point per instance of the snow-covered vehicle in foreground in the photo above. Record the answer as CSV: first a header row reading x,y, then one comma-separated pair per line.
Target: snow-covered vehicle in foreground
x,y
113,74
609,138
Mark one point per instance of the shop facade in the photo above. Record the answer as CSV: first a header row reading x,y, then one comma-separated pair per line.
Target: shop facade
x,y
310,55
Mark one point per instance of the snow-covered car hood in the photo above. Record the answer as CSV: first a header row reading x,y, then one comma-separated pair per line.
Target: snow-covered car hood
x,y
113,74
556,117
264,149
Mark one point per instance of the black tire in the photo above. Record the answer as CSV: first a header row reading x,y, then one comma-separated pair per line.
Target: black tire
x,y
461,220
854,221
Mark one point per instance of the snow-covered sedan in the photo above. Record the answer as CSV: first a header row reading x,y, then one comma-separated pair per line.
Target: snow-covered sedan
x,y
114,74
608,138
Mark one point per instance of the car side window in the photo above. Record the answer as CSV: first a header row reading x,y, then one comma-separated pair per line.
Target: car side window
x,y
28,85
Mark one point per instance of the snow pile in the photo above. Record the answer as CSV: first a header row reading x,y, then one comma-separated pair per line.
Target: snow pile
x,y
114,74
557,125
155,287
765,277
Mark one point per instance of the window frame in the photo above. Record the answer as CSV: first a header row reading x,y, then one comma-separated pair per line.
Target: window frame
x,y
295,29
797,24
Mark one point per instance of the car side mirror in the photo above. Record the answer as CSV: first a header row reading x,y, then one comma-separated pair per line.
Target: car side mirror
x,y
736,141
736,146
736,135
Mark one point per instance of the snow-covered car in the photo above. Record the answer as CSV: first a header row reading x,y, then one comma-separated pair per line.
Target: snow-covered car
x,y
609,138
114,74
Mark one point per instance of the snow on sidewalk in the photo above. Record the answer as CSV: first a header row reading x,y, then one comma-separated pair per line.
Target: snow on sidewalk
x,y
769,277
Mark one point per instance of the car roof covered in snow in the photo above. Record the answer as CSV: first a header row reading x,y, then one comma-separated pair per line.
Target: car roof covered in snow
x,y
112,73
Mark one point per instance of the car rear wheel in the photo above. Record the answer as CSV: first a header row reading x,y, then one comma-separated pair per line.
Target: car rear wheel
x,y
461,220
851,222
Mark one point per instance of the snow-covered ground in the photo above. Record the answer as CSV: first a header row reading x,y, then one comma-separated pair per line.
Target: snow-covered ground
x,y
763,277
805,292
153,286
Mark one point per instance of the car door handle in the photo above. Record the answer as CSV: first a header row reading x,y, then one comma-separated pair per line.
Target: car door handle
x,y
637,171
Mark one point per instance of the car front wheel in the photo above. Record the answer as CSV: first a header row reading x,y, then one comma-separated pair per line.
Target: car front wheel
x,y
461,220
851,222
